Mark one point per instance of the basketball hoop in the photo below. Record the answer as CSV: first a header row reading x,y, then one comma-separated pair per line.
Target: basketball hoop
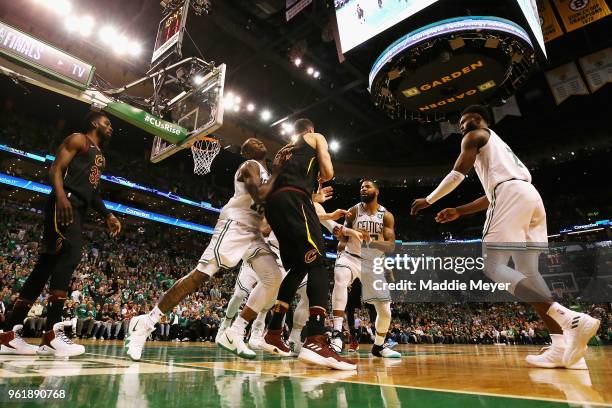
x,y
204,152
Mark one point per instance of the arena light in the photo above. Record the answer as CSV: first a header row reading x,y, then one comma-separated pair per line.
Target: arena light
x,y
121,46
297,62
61,7
135,49
316,74
310,70
237,99
198,79
236,108
250,107
72,23
108,35
266,115
283,132
334,145
86,25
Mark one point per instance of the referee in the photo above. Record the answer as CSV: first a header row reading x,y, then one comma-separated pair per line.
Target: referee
x,y
75,176
292,216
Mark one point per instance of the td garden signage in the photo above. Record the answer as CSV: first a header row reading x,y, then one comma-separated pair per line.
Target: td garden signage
x,y
441,68
463,79
168,131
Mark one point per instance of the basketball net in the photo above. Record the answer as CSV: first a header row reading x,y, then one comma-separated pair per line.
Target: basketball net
x,y
204,152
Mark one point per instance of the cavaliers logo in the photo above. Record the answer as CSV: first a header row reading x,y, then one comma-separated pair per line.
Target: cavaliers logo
x,y
99,161
311,256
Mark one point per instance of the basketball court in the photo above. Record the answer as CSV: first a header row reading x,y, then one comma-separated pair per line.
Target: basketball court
x,y
393,102
188,374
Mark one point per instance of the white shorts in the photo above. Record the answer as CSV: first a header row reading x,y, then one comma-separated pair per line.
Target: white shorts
x,y
229,243
363,270
247,278
516,217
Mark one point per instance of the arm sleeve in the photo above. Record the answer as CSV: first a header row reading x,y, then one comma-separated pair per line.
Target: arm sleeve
x,y
450,182
98,205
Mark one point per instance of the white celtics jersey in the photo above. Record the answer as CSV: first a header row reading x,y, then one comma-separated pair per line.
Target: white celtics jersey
x,y
372,223
496,163
240,207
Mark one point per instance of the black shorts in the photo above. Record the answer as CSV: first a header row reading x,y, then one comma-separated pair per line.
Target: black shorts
x,y
293,218
55,235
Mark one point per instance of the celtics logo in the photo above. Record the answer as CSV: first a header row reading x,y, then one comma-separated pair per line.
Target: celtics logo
x,y
577,5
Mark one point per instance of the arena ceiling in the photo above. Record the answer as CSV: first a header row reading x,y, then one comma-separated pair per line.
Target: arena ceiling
x,y
258,45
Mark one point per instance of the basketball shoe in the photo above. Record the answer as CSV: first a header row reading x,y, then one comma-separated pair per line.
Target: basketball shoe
x,y
233,342
336,341
139,329
581,329
353,343
317,350
384,351
552,356
274,343
12,343
55,342
256,339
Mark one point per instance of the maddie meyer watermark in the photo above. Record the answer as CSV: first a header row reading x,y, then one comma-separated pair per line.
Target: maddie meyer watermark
x,y
457,272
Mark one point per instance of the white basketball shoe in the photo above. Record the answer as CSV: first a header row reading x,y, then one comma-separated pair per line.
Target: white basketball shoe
x,y
139,329
55,342
12,343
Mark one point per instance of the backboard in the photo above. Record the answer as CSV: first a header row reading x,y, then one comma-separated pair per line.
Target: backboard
x,y
198,109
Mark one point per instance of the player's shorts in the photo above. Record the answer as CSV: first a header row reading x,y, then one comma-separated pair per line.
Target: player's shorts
x,y
57,236
229,243
293,218
373,288
516,217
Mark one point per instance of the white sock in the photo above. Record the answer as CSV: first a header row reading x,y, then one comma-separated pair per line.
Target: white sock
x,y
379,340
155,315
561,314
260,320
338,323
240,325
296,334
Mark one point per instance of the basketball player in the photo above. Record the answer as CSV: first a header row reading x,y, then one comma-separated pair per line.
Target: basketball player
x,y
293,218
75,177
373,219
236,232
248,279
516,220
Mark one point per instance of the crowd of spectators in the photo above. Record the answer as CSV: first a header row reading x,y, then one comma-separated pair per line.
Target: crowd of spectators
x,y
123,277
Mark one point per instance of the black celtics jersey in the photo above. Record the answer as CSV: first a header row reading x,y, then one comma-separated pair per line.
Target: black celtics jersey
x,y
301,169
83,174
